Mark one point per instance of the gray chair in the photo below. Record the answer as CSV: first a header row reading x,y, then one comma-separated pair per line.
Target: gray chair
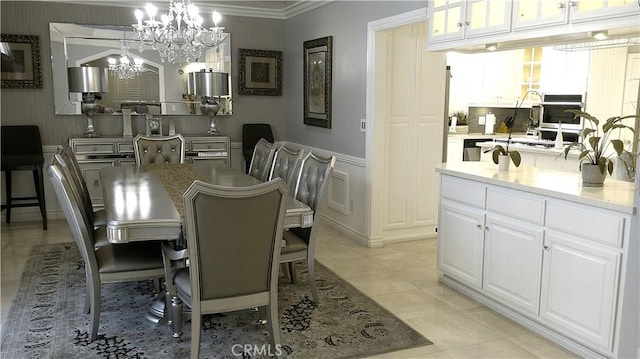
x,y
286,165
68,160
233,264
107,264
154,150
300,244
262,160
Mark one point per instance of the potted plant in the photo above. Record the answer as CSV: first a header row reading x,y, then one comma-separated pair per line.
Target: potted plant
x,y
503,155
596,158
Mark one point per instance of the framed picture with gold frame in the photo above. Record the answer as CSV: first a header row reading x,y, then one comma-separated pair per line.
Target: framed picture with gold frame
x,y
317,81
260,72
20,61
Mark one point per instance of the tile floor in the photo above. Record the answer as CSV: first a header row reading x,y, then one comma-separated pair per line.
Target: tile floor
x,y
401,277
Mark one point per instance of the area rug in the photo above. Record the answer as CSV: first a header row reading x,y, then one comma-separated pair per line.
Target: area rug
x,y
46,319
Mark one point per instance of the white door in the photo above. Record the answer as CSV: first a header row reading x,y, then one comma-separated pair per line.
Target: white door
x,y
579,288
413,111
513,262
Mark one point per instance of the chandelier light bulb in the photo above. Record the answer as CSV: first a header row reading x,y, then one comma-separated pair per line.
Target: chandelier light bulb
x,y
112,61
216,18
139,16
179,36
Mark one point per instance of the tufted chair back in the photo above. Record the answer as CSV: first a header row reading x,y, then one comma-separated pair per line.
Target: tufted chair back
x,y
168,149
261,160
313,179
286,165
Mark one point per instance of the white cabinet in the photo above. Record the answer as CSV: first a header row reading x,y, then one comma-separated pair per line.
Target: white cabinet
x,y
513,248
454,148
559,266
580,286
529,14
456,20
461,244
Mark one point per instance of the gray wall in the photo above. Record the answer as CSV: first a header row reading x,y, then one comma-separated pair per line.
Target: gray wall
x,y
347,22
35,106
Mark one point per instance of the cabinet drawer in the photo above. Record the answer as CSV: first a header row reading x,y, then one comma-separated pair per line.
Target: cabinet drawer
x,y
94,148
125,147
468,192
515,204
208,146
586,222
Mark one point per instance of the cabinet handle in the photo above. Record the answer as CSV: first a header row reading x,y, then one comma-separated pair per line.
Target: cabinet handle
x,y
467,23
96,183
546,248
459,24
561,5
486,229
94,148
573,4
479,226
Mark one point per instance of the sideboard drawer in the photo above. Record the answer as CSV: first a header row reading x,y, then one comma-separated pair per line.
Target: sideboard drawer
x,y
94,148
198,146
462,190
125,147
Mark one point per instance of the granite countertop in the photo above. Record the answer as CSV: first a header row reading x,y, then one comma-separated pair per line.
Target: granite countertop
x,y
547,149
615,195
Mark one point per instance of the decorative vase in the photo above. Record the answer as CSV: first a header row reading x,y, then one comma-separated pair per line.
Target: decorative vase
x,y
503,162
591,175
624,170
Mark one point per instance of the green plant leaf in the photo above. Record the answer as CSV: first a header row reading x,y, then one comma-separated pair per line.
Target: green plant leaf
x,y
515,157
610,167
495,155
587,131
618,145
602,163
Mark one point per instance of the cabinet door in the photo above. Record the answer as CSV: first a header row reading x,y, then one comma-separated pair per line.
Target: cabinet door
x,y
485,17
461,242
91,172
529,14
588,10
446,20
580,288
513,262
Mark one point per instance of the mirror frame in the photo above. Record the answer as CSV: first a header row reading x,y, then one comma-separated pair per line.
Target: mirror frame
x,y
173,100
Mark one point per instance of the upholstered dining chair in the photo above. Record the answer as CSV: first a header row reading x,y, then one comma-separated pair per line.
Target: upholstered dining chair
x,y
68,160
167,149
262,160
251,134
286,165
232,265
113,263
311,184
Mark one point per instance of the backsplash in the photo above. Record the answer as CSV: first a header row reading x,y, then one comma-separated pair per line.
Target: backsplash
x,y
521,124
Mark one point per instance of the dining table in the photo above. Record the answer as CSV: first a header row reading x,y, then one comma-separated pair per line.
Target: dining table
x,y
145,203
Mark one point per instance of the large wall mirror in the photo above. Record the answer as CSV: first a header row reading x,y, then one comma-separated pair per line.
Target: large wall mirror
x,y
160,88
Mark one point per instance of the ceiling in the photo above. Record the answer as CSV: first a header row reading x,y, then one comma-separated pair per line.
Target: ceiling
x,y
264,9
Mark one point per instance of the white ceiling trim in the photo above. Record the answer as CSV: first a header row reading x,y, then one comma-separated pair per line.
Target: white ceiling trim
x,y
295,9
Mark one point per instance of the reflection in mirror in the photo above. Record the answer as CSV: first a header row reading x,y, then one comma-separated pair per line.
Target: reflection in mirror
x,y
159,89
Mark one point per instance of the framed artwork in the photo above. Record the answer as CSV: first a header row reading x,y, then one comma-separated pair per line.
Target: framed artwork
x,y
20,67
260,72
317,82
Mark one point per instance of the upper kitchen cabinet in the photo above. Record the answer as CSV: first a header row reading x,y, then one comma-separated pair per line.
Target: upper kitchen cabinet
x,y
542,13
469,26
457,19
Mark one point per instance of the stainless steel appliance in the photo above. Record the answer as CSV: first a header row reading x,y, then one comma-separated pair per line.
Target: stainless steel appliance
x,y
552,112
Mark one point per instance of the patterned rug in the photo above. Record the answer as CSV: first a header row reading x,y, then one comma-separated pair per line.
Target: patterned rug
x,y
46,319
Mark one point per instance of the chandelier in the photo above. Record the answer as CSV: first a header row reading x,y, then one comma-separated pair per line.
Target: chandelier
x,y
178,35
127,67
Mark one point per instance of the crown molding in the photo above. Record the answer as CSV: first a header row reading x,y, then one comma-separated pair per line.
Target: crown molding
x,y
295,9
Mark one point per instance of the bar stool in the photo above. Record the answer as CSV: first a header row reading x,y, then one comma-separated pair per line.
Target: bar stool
x,y
22,151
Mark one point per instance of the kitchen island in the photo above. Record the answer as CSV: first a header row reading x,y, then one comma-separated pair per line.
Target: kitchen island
x,y
537,247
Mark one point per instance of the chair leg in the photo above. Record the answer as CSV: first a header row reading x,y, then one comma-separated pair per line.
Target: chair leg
x,y
196,328
311,265
39,184
95,311
87,295
292,272
176,316
7,188
274,322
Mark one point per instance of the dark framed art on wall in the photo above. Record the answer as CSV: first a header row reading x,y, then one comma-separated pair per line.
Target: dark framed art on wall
x,y
20,61
260,72
317,81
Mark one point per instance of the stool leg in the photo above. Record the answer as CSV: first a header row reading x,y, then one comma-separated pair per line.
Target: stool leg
x,y
39,183
7,177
